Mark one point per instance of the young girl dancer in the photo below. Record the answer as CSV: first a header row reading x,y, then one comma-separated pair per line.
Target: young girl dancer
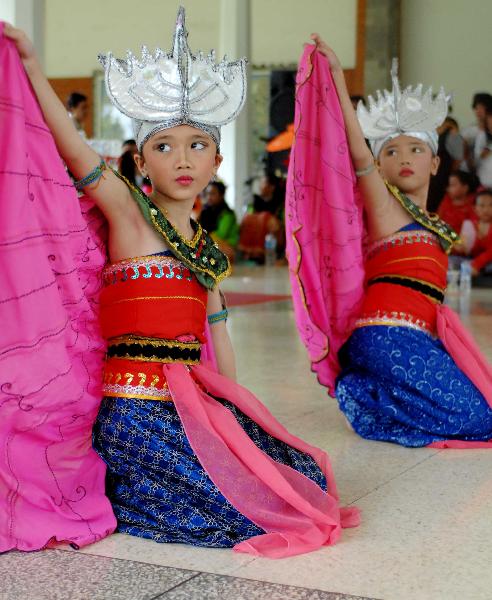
x,y
379,282
191,456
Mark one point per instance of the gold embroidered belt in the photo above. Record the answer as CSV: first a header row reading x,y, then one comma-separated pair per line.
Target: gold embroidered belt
x,y
144,349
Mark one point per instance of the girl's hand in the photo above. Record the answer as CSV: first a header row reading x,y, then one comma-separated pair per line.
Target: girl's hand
x,y
323,47
22,42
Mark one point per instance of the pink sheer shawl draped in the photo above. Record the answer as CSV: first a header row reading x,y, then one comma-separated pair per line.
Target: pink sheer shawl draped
x,y
51,480
297,515
324,224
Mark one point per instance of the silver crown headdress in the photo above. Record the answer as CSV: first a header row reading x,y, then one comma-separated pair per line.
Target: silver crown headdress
x,y
164,89
409,112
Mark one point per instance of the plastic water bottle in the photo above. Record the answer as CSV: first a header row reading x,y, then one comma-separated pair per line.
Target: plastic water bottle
x,y
465,277
270,249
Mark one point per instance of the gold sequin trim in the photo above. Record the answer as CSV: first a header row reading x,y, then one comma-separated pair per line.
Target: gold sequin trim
x,y
153,358
154,342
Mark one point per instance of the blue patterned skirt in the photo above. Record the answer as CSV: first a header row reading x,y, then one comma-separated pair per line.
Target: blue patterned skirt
x,y
156,485
400,385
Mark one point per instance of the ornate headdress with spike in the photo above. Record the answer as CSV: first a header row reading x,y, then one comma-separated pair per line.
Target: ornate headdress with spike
x,y
162,90
409,112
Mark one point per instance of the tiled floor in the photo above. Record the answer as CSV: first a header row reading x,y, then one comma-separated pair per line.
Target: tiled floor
x,y
427,514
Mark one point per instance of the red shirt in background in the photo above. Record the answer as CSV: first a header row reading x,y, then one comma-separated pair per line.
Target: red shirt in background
x,y
482,249
453,214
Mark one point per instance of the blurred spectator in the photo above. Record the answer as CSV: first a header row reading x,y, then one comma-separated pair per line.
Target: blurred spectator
x,y
128,168
271,196
451,153
129,146
78,109
458,203
219,220
253,231
483,151
480,103
476,234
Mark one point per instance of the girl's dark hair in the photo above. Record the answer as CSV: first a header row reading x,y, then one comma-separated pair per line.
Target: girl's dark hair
x,y
219,186
75,99
465,179
483,98
127,166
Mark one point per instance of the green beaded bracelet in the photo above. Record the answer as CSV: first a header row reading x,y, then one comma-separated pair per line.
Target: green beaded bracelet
x,y
218,316
93,176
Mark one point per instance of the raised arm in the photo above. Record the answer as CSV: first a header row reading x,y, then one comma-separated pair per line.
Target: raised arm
x,y
110,194
371,183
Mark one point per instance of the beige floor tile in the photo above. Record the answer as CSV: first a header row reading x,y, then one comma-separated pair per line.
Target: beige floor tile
x,y
210,560
425,536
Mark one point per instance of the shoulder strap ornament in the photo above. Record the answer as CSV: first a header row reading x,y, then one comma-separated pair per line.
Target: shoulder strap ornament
x,y
201,254
447,235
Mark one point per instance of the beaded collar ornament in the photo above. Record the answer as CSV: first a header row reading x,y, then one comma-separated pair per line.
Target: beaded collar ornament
x,y
201,254
409,112
166,89
446,234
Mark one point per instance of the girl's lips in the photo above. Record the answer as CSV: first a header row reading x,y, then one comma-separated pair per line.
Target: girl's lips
x,y
184,180
406,172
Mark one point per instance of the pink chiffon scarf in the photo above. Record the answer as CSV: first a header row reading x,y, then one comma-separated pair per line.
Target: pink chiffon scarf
x,y
324,225
296,514
51,351
326,235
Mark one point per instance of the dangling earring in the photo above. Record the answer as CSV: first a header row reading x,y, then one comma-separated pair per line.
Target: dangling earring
x,y
214,177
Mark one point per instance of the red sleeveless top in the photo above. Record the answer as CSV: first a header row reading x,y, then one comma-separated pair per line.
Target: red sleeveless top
x,y
153,311
153,296
405,280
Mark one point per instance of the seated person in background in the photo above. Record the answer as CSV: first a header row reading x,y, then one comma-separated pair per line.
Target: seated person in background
x,y
129,146
481,101
458,203
451,152
219,220
476,234
78,109
128,168
271,198
483,151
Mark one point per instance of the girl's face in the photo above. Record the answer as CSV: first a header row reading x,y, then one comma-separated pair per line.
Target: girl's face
x,y
456,189
483,208
408,163
179,161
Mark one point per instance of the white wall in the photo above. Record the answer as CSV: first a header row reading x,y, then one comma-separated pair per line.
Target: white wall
x,y
7,11
76,31
280,27
447,42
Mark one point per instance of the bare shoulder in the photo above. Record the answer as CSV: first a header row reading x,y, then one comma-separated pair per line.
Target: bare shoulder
x,y
387,217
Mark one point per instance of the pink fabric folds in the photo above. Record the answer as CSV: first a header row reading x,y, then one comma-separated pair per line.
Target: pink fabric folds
x,y
466,354
51,480
324,224
296,514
